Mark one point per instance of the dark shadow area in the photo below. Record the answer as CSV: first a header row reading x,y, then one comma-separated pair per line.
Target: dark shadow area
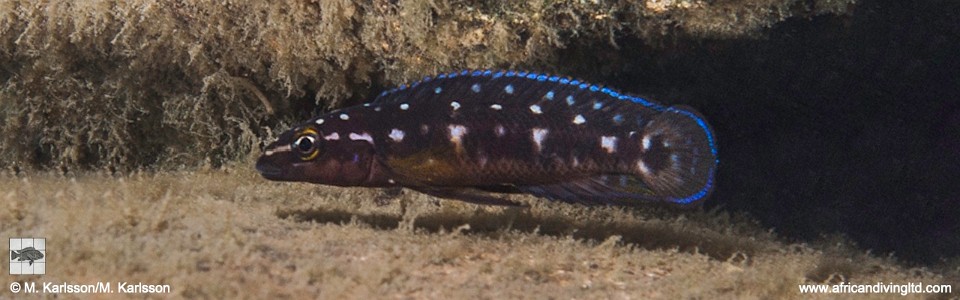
x,y
828,125
650,236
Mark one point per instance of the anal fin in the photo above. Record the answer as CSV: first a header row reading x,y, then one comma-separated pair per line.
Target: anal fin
x,y
615,189
466,194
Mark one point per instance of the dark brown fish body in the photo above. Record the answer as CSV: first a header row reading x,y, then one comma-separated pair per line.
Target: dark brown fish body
x,y
545,135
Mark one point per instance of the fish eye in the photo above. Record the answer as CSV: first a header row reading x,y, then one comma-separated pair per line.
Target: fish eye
x,y
307,145
304,144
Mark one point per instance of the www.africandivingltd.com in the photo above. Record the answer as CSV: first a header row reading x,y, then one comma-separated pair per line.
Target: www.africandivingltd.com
x,y
876,288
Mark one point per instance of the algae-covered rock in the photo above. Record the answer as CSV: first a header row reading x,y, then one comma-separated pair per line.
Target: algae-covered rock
x,y
123,84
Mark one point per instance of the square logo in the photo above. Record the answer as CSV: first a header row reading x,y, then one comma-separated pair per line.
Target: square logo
x,y
28,256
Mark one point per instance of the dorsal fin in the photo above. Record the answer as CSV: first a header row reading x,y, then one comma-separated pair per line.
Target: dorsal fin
x,y
528,82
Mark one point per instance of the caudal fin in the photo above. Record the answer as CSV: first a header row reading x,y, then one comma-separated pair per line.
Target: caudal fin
x,y
679,156
678,162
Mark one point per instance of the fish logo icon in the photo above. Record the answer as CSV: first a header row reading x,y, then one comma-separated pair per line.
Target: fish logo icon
x,y
28,256
28,253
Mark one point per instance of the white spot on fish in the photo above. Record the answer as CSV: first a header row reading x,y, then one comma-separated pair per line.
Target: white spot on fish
x,y
549,95
597,105
646,142
455,105
496,106
319,121
643,167
482,159
456,131
570,100
536,109
675,159
332,137
538,135
366,104
500,131
456,135
344,117
391,181
508,89
424,129
437,90
579,120
376,108
361,137
475,88
404,106
396,135
609,143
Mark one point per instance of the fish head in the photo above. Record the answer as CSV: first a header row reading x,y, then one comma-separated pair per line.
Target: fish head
x,y
321,154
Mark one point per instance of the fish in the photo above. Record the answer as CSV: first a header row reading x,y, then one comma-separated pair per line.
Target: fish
x,y
477,135
29,253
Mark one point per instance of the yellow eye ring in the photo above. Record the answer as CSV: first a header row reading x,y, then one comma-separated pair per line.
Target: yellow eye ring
x,y
307,131
306,142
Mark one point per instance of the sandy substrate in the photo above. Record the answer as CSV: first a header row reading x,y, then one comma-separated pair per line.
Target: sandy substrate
x,y
227,233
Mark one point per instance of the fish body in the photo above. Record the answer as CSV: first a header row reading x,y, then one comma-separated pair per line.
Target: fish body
x,y
459,135
29,253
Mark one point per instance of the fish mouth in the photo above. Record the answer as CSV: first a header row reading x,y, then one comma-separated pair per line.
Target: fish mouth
x,y
268,170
